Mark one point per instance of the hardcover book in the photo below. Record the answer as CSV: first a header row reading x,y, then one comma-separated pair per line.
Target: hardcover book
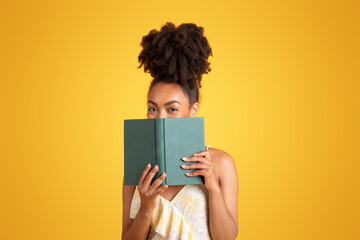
x,y
162,142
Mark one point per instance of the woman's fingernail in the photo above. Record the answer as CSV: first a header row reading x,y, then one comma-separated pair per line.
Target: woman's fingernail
x,y
183,166
148,165
184,158
156,167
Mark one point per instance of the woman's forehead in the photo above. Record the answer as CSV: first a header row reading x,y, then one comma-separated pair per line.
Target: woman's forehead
x,y
164,93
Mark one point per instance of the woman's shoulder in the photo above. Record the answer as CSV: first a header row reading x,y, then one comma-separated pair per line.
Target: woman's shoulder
x,y
224,164
221,159
219,156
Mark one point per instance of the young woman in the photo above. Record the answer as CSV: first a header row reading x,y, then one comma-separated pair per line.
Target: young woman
x,y
176,58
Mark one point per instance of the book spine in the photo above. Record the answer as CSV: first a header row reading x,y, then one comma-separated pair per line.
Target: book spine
x,y
160,147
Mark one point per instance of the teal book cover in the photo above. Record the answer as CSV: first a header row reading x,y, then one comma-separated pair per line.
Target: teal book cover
x,y
162,142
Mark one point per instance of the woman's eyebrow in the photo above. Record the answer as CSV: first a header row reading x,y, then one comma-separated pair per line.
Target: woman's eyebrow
x,y
168,103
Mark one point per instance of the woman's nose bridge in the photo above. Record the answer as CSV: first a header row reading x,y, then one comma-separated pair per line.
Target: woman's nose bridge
x,y
162,113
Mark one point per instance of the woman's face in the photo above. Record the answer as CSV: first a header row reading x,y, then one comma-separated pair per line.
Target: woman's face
x,y
166,100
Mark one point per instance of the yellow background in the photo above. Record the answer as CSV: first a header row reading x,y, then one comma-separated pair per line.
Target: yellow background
x,y
282,99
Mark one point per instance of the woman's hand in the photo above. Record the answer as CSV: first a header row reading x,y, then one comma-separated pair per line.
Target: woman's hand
x,y
206,169
148,193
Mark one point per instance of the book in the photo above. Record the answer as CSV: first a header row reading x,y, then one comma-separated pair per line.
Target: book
x,y
162,142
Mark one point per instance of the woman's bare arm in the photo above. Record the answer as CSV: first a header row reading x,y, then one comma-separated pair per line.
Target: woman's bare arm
x,y
223,202
219,171
138,228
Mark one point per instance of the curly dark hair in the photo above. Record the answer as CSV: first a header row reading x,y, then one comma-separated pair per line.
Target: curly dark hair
x,y
177,55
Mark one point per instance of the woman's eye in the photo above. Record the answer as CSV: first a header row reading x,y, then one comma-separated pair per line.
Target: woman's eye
x,y
151,109
172,109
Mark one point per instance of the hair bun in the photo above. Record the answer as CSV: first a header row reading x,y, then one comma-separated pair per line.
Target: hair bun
x,y
176,54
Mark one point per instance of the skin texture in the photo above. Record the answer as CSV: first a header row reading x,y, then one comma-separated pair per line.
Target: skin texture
x,y
217,167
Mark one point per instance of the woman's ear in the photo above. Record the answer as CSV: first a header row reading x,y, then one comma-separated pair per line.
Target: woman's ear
x,y
194,109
